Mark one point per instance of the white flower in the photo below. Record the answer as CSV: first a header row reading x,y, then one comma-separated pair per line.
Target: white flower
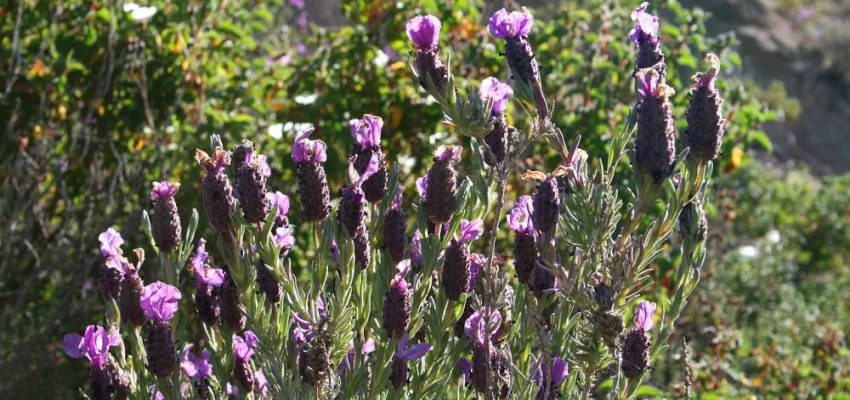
x,y
139,13
276,131
381,59
296,127
773,236
305,99
748,251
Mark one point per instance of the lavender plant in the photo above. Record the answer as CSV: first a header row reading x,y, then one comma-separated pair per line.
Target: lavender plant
x,y
546,323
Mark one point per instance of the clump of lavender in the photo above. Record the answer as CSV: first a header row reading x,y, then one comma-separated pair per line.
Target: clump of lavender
x,y
480,330
514,28
394,234
645,36
654,144
636,346
441,185
549,377
208,283
216,190
160,302
231,309
399,374
457,274
525,248
166,221
197,367
352,212
106,380
704,133
244,347
498,138
398,303
367,144
252,171
424,33
114,267
313,191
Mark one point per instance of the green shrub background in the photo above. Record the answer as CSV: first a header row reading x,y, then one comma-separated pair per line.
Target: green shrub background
x,y
96,105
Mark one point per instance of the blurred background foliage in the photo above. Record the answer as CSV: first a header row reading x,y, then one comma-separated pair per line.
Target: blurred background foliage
x,y
101,98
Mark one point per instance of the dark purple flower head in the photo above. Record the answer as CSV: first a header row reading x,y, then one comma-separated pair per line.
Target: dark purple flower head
x,y
204,275
93,345
195,367
555,373
500,93
367,131
475,326
643,315
306,150
447,153
411,353
280,200
504,25
647,83
471,230
245,345
110,243
520,217
164,190
646,26
160,301
707,79
424,31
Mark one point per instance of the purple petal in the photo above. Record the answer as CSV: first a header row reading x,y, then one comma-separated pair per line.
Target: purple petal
x,y
280,200
646,25
306,150
560,370
647,83
200,256
368,347
471,230
448,153
396,203
110,243
643,315
474,328
499,93
402,343
424,31
164,190
465,367
422,185
245,345
370,170
283,238
73,344
504,25
367,131
159,301
416,351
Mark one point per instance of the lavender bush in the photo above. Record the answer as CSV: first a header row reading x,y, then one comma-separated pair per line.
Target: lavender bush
x,y
378,316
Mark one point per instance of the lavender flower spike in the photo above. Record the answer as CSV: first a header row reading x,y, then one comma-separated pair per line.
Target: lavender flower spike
x,y
441,185
244,347
159,302
367,146
398,303
313,188
399,375
514,28
654,143
217,191
636,346
394,234
424,33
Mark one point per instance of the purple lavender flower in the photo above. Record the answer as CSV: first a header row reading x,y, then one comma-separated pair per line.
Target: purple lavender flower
x,y
465,368
399,375
457,275
654,143
478,330
504,25
424,33
645,36
204,274
130,297
481,330
704,133
471,230
547,206
302,22
313,188
217,191
298,4
422,186
398,302
252,171
347,363
394,234
160,301
281,201
208,282
441,185
115,267
231,306
166,220
244,347
93,345
284,239
497,92
367,137
636,346
194,366
549,377
267,283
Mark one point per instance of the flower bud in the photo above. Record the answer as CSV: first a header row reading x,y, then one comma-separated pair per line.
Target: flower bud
x,y
645,36
394,234
500,366
693,227
216,190
547,206
161,352
398,376
313,188
497,141
654,143
231,311
166,221
397,304
456,269
108,382
251,174
441,185
268,283
704,133
635,353
130,300
362,248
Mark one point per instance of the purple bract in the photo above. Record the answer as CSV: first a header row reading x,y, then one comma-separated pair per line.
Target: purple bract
x,y
424,31
93,345
646,25
367,131
498,92
306,150
198,368
504,25
159,301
